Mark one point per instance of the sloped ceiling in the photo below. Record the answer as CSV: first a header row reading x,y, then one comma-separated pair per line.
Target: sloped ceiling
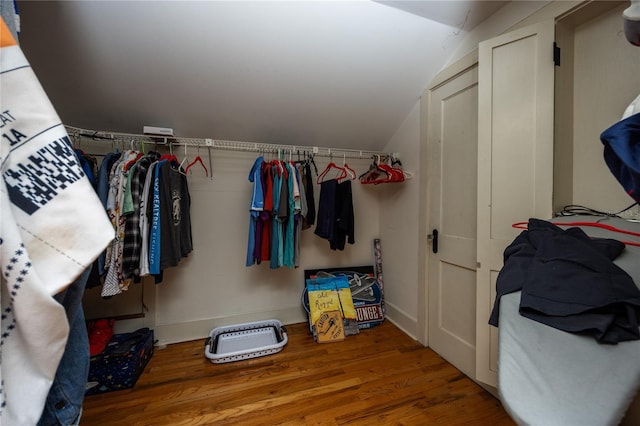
x,y
461,14
329,73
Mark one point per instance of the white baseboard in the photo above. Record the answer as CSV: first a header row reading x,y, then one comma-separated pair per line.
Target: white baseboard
x,y
402,320
166,334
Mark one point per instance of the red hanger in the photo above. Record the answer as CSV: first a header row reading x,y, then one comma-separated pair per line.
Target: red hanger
x,y
169,157
132,162
198,160
332,165
394,174
523,225
375,174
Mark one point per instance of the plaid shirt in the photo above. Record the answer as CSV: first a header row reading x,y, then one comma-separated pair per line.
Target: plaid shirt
x,y
132,237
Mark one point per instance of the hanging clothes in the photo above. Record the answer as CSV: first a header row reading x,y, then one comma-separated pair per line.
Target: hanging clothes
x,y
114,281
266,215
148,203
175,221
103,193
310,218
257,206
301,211
133,228
144,216
327,209
345,223
89,166
293,193
277,211
335,220
278,218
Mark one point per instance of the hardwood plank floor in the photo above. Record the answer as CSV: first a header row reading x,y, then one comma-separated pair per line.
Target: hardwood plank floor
x,y
380,376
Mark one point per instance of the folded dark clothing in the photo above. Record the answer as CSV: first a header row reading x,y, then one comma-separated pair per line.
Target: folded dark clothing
x,y
569,281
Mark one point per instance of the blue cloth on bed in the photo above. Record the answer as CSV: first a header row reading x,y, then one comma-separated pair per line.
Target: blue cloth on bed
x,y
622,153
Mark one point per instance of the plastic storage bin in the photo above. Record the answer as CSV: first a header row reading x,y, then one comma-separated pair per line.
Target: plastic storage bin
x,y
245,341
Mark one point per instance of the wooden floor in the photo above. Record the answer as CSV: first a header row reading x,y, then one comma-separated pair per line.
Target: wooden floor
x,y
380,376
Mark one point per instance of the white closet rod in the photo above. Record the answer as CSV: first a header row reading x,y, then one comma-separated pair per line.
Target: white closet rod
x,y
220,144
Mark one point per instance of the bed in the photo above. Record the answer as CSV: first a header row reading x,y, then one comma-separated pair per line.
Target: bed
x,y
551,377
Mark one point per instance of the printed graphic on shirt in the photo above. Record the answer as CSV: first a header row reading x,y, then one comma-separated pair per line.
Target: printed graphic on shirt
x,y
176,213
33,183
154,233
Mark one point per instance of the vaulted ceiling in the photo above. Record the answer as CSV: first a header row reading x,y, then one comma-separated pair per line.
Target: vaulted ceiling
x,y
326,73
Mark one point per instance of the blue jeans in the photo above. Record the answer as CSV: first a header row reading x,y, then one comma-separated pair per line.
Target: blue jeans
x,y
64,402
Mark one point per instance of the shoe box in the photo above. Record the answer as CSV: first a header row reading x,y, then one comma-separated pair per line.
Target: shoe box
x,y
122,361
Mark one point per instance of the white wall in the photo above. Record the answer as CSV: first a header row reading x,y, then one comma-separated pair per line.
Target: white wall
x,y
399,214
600,97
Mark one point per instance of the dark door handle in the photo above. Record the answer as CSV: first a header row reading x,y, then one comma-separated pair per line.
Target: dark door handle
x,y
434,241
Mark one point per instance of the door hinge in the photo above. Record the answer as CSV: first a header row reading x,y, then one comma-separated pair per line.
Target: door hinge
x,y
556,54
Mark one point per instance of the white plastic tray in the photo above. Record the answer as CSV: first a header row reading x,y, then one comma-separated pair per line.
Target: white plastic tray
x,y
245,341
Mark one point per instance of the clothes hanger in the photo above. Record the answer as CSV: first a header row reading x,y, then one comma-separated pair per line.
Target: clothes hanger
x,y
276,163
331,166
181,169
137,157
197,160
372,168
375,174
396,164
312,162
524,225
351,174
343,173
170,157
394,173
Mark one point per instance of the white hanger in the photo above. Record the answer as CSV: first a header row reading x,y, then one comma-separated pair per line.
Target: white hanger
x,y
181,169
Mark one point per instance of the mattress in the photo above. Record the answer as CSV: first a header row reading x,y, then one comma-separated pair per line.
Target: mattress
x,y
550,377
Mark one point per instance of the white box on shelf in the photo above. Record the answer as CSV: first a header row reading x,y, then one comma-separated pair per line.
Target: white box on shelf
x,y
158,131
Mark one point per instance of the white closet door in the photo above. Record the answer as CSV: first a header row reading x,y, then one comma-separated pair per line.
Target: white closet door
x,y
452,145
515,159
